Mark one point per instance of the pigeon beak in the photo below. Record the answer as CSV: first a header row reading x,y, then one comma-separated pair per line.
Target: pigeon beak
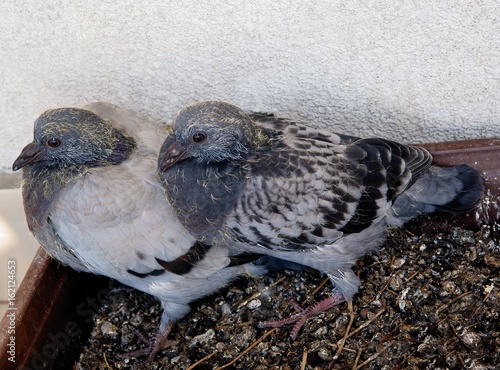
x,y
174,154
29,155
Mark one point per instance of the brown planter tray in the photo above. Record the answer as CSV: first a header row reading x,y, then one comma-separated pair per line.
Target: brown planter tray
x,y
54,304
53,315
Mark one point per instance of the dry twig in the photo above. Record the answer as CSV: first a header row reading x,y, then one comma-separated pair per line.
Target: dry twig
x,y
452,301
107,366
254,344
304,361
326,280
373,357
202,360
346,335
366,323
358,356
257,294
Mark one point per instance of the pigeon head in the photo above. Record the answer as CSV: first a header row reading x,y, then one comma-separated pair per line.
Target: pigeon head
x,y
209,132
71,136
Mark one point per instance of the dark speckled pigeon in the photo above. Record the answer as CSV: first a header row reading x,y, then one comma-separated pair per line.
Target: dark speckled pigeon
x,y
281,188
94,201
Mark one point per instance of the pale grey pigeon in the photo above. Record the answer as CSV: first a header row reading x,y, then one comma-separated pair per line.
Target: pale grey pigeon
x,y
94,201
267,185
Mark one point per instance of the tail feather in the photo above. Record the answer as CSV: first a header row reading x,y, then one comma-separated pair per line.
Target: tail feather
x,y
470,192
450,189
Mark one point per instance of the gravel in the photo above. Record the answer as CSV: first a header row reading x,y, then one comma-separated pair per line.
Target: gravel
x,y
427,301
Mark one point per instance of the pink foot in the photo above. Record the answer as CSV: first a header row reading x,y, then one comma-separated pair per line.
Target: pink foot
x,y
303,314
160,343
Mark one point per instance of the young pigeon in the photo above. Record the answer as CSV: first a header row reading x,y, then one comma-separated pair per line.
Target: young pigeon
x,y
262,184
93,200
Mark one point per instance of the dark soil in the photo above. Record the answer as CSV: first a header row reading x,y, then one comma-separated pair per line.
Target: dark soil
x,y
427,301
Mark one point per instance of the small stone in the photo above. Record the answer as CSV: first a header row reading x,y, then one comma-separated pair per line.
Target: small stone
x,y
225,309
253,304
262,347
363,313
325,354
109,329
136,320
220,346
321,332
404,303
471,339
449,289
245,338
396,283
176,360
204,338
398,262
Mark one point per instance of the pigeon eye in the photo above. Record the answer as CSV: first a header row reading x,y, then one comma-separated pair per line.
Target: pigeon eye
x,y
54,142
199,137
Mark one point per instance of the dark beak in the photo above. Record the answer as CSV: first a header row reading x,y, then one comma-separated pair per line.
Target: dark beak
x,y
29,155
174,154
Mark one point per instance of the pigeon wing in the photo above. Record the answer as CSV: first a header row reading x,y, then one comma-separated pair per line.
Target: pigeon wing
x,y
311,186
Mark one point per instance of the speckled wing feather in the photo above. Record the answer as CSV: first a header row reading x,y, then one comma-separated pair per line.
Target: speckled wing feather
x,y
311,187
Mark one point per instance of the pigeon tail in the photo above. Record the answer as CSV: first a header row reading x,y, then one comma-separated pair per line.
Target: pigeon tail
x,y
450,189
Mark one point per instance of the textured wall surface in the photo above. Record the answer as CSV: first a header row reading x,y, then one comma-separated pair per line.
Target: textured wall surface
x,y
415,71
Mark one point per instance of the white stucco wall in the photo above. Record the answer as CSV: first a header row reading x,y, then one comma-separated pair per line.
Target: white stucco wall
x,y
409,70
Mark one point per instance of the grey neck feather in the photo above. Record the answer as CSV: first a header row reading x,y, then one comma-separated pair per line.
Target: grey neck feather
x,y
204,208
41,185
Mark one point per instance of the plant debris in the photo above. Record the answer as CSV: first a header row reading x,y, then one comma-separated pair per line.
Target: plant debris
x,y
427,301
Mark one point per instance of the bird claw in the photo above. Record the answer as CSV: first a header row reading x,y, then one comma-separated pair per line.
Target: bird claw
x,y
297,307
302,314
160,343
